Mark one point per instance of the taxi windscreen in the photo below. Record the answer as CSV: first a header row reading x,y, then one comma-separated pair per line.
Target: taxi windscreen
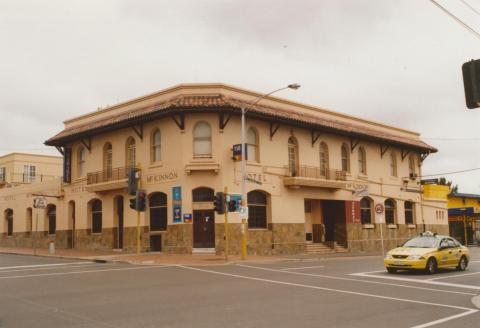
x,y
422,242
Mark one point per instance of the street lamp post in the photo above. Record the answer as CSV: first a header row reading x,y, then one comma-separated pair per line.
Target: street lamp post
x,y
243,170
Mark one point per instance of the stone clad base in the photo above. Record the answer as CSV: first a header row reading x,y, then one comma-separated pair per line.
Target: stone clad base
x,y
361,239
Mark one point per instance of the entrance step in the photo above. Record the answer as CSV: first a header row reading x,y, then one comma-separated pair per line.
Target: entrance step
x,y
320,248
203,251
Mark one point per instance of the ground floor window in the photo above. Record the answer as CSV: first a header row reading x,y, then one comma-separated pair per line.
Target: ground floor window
x,y
390,211
158,211
52,219
96,216
366,210
257,210
409,213
9,222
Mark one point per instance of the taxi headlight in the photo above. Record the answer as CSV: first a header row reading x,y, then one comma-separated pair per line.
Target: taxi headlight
x,y
388,257
415,257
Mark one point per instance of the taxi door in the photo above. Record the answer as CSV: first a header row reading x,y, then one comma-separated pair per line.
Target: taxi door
x,y
444,254
455,252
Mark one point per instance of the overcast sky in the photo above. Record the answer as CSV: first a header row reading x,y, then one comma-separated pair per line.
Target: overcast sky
x,y
397,62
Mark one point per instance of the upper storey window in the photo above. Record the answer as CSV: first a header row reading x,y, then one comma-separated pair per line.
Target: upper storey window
x,y
293,156
362,160
81,161
130,152
393,164
323,159
252,145
107,160
345,159
202,140
156,146
411,165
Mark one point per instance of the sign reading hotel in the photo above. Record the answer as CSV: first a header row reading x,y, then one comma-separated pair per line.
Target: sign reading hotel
x,y
177,204
162,177
67,165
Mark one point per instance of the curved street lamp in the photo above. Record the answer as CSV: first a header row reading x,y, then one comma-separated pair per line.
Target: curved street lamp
x,y
244,209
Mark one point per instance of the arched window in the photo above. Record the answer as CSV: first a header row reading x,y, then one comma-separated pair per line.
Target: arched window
x,y
293,156
366,210
81,161
9,221
96,210
323,159
393,164
409,213
203,194
362,160
107,161
29,222
130,159
202,140
411,166
257,210
389,211
158,211
252,145
345,158
52,219
156,146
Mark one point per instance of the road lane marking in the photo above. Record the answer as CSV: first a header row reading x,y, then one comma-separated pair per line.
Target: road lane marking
x,y
420,281
358,280
302,268
468,311
455,276
81,272
43,265
58,268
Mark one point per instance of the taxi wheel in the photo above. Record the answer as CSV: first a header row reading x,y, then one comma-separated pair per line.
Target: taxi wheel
x,y
431,267
391,270
462,264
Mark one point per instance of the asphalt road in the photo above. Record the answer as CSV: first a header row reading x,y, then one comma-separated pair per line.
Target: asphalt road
x,y
334,292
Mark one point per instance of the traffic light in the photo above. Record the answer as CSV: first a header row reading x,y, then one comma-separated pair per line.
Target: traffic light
x,y
471,83
141,200
133,202
219,203
232,205
132,181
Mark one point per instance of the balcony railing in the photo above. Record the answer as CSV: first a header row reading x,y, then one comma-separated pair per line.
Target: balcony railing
x,y
304,171
29,178
109,175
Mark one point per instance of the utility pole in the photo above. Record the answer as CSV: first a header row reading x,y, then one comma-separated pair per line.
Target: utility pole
x,y
227,199
35,235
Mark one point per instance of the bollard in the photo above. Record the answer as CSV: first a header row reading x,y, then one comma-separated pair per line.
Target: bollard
x,y
51,247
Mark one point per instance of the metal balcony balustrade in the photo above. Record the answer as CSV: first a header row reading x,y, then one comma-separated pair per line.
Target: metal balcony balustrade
x,y
108,175
314,172
29,178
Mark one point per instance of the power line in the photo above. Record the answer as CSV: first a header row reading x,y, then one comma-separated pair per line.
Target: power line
x,y
449,173
471,7
456,18
452,139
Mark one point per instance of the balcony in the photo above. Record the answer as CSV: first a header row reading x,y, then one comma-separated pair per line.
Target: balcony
x,y
313,177
110,179
15,179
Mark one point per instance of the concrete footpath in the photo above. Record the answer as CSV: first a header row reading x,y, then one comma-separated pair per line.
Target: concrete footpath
x,y
142,258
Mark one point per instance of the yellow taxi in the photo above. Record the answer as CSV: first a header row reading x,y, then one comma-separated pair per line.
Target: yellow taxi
x,y
428,252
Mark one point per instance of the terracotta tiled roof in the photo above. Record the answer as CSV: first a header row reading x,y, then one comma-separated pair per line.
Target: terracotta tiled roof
x,y
219,102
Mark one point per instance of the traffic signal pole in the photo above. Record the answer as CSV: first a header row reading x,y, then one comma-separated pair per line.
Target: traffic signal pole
x,y
225,192
138,211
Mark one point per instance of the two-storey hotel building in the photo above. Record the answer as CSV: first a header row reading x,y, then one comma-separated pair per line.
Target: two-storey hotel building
x,y
314,178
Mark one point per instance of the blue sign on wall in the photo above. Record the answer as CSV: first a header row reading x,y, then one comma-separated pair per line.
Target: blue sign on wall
x,y
237,199
177,204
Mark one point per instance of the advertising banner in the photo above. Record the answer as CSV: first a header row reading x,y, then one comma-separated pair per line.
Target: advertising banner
x,y
177,204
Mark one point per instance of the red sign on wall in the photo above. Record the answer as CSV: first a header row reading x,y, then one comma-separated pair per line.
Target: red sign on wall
x,y
352,211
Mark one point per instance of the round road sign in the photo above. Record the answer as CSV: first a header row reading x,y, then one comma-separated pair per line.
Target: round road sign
x,y
379,208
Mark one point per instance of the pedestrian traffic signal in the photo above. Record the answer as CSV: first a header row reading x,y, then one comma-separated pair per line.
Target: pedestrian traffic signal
x,y
232,205
133,202
141,200
471,83
219,203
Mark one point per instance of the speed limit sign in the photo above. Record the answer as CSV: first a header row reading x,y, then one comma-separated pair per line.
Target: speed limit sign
x,y
379,208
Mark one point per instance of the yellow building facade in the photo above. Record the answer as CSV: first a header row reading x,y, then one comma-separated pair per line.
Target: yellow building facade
x,y
464,217
314,177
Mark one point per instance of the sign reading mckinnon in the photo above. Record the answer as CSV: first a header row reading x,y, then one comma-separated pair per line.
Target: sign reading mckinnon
x,y
162,177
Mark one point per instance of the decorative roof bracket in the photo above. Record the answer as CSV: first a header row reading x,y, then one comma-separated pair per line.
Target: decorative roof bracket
x,y
180,121
383,150
354,143
87,143
273,129
223,120
315,136
138,131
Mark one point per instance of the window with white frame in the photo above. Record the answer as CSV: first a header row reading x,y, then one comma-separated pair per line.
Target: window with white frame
x,y
28,173
156,146
202,140
393,164
81,162
252,145
3,174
